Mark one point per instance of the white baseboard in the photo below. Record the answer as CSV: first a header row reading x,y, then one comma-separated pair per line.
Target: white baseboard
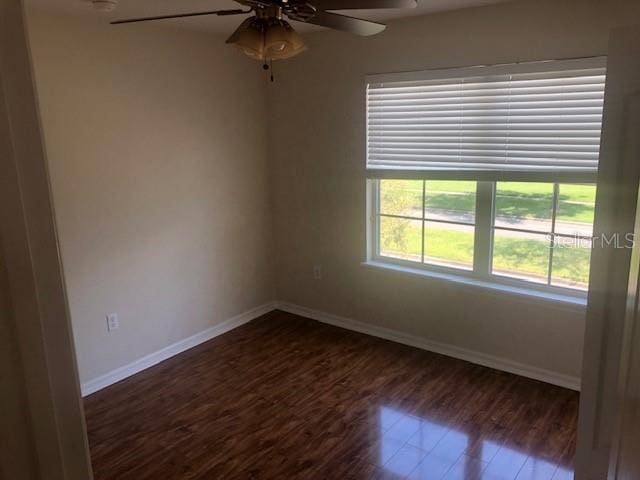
x,y
479,358
143,363
498,363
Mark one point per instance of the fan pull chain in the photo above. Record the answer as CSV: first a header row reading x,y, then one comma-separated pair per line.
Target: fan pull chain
x,y
269,67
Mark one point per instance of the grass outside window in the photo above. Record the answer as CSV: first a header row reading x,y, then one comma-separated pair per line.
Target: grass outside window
x,y
433,222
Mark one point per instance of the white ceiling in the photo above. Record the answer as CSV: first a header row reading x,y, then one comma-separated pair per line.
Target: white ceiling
x,y
143,8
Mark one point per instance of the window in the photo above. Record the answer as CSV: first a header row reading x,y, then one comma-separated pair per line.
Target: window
x,y
430,222
538,232
487,172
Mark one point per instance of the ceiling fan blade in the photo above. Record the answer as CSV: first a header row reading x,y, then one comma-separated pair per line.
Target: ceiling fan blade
x,y
362,4
182,15
344,23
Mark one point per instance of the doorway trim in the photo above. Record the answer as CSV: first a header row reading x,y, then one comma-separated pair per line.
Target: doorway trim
x,y
618,181
36,290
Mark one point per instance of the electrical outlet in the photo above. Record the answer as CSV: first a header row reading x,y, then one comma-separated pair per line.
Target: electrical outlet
x,y
317,272
113,323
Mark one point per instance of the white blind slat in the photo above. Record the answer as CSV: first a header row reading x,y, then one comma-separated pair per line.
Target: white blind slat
x,y
468,97
540,121
487,92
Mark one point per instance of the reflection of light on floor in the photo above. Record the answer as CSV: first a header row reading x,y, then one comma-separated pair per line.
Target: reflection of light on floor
x,y
406,441
418,448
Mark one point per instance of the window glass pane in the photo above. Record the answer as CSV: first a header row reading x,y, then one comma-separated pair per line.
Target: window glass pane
x,y
576,205
524,205
451,200
571,257
401,197
401,238
521,255
449,245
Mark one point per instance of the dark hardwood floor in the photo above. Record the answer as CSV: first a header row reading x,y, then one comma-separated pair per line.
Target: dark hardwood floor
x,y
288,398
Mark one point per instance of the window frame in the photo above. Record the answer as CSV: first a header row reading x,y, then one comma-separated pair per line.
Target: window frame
x,y
481,274
484,228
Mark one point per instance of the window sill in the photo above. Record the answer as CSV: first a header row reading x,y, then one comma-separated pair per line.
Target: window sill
x,y
577,301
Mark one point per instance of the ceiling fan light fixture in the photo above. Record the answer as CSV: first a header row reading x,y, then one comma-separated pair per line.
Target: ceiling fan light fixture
x,y
275,39
282,41
104,5
249,38
267,39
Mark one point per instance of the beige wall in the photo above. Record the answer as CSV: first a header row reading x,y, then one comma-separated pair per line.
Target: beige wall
x,y
318,154
155,141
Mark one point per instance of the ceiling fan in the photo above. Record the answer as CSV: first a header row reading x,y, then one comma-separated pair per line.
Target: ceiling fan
x,y
267,36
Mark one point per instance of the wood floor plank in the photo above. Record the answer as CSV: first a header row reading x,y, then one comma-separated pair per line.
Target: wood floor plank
x,y
285,397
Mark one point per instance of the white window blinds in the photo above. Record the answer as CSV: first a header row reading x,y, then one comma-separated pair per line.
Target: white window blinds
x,y
543,117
